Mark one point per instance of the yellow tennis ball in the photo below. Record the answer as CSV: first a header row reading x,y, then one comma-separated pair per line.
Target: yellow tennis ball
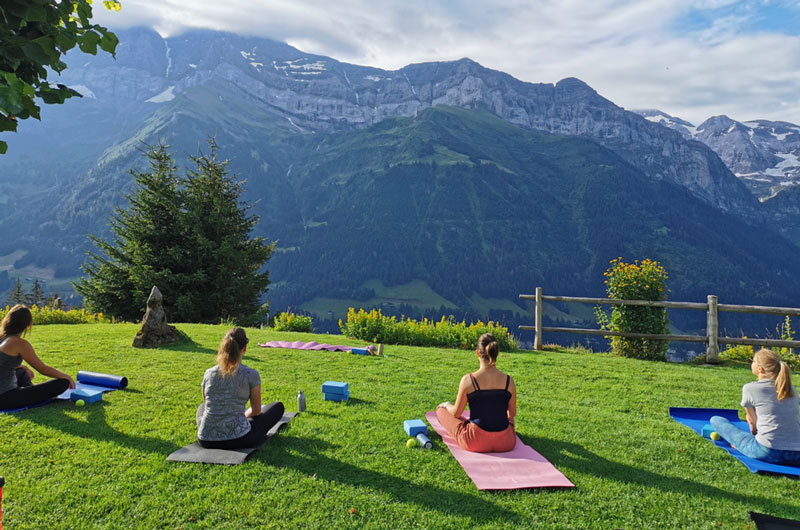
x,y
80,403
411,442
715,436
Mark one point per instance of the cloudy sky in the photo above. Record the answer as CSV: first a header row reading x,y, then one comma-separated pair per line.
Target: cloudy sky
x,y
689,58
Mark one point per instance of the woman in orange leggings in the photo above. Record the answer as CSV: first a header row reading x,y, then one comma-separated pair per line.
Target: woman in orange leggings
x,y
492,399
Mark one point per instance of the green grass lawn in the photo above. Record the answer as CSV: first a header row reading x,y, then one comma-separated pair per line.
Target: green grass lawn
x,y
603,421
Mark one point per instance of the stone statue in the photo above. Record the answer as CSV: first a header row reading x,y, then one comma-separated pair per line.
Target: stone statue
x,y
155,331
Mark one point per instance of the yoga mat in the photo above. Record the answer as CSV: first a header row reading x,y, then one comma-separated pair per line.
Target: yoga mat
x,y
770,522
300,345
195,453
104,380
11,411
519,468
696,418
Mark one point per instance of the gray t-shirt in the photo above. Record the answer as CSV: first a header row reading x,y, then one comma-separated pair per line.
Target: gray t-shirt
x,y
223,417
8,371
778,421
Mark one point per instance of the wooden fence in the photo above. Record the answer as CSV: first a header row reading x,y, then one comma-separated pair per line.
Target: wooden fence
x,y
712,308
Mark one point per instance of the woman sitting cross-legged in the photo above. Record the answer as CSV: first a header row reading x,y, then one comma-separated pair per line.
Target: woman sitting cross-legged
x,y
492,398
16,388
222,421
771,406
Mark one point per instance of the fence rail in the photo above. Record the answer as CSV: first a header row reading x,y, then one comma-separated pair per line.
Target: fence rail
x,y
711,307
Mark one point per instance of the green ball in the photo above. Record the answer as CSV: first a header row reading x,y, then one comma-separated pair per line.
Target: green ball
x,y
80,403
411,442
715,436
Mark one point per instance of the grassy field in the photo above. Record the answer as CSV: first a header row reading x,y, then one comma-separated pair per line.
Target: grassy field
x,y
601,420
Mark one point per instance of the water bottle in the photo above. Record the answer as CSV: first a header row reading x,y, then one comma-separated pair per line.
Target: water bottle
x,y
301,402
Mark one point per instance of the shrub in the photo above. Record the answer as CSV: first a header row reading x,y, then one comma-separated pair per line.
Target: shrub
x,y
291,322
50,315
374,326
636,281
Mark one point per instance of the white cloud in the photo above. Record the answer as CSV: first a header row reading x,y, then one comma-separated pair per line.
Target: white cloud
x,y
633,52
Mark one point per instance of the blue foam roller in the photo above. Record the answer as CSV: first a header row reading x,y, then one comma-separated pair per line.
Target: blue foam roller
x,y
88,396
424,441
414,427
106,380
335,387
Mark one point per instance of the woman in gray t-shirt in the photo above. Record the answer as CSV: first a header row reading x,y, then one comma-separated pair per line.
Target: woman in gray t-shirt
x,y
771,405
222,421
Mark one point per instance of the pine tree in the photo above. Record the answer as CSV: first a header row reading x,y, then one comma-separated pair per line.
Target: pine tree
x,y
148,247
37,294
17,294
229,264
188,235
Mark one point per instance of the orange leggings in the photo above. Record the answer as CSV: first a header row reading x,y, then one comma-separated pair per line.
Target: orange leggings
x,y
472,438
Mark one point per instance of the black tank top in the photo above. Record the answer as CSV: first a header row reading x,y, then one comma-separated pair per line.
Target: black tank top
x,y
488,409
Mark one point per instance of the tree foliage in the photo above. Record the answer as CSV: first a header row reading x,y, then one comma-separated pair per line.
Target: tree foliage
x,y
189,235
636,281
35,35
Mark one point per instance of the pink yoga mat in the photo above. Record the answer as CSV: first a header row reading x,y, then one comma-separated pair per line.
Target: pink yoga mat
x,y
300,345
519,468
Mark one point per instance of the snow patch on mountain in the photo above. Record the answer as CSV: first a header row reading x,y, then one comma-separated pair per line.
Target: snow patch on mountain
x,y
163,97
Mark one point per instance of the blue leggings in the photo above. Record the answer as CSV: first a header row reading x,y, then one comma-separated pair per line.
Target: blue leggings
x,y
747,444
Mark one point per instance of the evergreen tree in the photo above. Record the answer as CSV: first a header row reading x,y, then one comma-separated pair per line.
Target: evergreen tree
x,y
148,247
186,234
17,294
37,294
228,264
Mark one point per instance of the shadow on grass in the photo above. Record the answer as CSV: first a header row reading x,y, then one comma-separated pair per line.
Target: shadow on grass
x,y
573,456
312,462
96,427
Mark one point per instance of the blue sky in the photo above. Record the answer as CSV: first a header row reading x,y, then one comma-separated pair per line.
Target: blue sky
x,y
690,58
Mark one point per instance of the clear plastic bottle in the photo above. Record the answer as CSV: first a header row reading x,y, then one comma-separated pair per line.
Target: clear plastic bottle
x,y
301,402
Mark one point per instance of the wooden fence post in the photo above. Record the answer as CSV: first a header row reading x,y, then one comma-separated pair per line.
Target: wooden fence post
x,y
712,328
537,315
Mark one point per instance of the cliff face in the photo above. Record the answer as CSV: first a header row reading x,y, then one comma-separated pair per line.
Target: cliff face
x,y
314,93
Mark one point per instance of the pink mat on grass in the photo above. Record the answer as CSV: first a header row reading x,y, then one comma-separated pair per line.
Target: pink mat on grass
x,y
519,468
300,345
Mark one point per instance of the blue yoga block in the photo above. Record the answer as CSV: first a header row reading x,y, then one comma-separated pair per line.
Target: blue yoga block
x,y
336,397
88,396
707,430
335,387
414,427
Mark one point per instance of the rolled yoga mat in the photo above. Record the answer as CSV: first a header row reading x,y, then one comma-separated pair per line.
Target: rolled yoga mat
x,y
105,380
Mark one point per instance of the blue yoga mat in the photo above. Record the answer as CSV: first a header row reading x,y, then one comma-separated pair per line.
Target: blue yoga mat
x,y
696,419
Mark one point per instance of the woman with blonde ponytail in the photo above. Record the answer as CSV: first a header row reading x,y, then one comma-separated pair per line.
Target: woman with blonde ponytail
x,y
492,399
771,406
222,421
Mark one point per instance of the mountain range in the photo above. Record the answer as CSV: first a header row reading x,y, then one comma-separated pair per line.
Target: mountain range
x,y
436,186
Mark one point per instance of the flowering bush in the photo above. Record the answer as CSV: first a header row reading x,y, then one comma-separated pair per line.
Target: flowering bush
x,y
50,315
375,327
636,281
292,322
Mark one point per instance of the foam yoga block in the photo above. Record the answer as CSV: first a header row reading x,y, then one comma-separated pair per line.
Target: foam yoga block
x,y
336,397
335,387
414,427
88,396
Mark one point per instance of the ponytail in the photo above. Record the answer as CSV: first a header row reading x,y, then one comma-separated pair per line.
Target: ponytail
x,y
783,383
488,348
230,351
775,368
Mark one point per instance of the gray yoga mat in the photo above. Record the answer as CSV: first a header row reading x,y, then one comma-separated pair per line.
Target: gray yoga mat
x,y
233,457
